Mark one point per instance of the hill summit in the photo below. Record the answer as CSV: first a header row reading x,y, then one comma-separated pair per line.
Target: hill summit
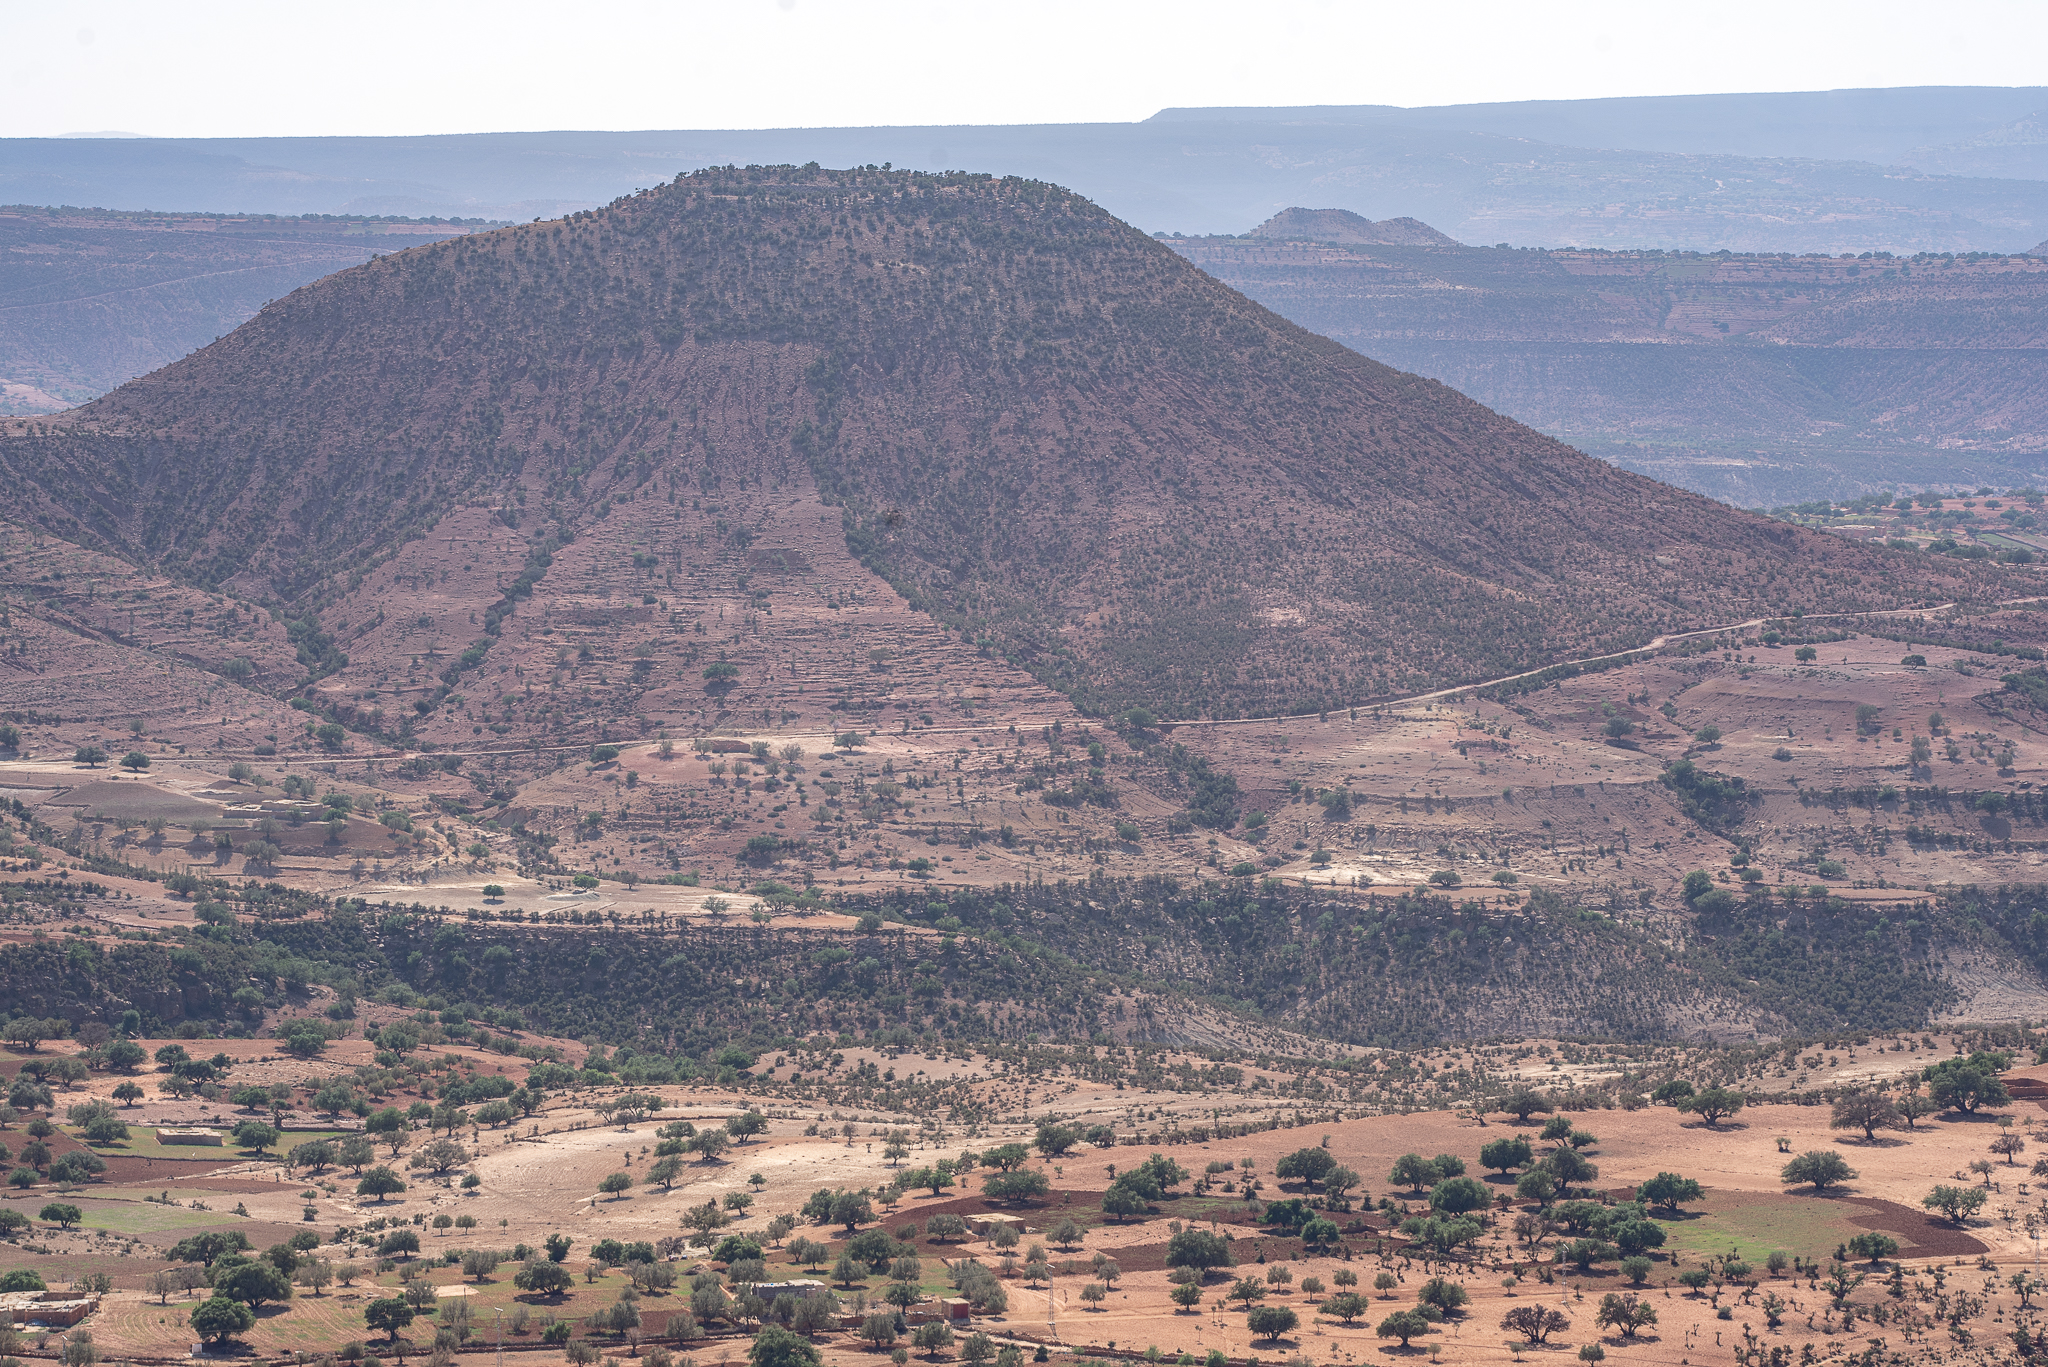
x,y
1046,429
1343,226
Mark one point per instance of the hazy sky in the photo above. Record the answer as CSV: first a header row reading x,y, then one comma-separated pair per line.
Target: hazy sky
x,y
203,68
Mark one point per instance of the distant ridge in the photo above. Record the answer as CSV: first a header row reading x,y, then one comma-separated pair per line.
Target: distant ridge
x,y
1814,171
1343,226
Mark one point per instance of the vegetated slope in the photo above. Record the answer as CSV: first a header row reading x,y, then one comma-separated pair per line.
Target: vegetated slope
x,y
1416,968
90,298
1129,958
1757,379
1041,425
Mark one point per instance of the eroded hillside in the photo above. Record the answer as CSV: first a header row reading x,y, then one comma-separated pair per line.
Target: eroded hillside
x,y
816,536
1042,428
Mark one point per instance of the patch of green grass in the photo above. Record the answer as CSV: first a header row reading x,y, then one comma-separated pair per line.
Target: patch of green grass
x,y
142,1143
147,1217
1753,1226
287,1142
1190,1208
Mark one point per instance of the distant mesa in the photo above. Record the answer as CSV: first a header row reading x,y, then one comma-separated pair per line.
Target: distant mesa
x,y
2011,151
1343,226
1825,373
2039,249
1812,171
141,289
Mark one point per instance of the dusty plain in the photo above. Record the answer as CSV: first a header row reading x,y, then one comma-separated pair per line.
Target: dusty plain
x,y
539,1176
875,751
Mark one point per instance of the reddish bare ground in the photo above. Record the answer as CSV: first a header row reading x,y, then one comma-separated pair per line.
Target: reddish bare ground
x,y
1920,1234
